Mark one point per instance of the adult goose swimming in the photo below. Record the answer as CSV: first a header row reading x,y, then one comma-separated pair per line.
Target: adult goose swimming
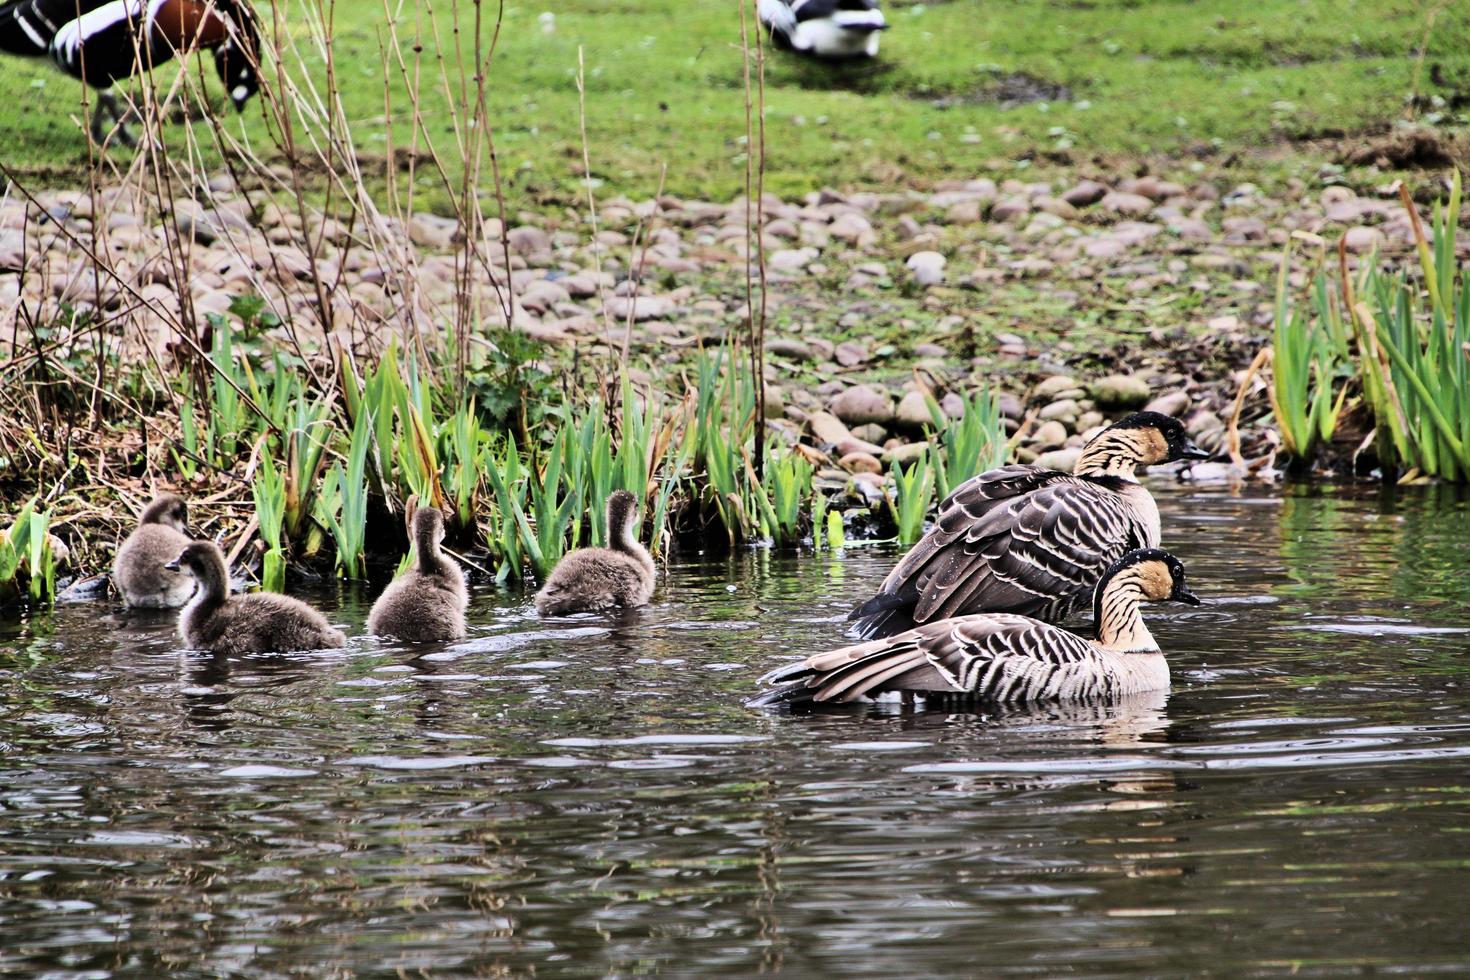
x,y
1003,658
257,622
428,601
1031,541
138,571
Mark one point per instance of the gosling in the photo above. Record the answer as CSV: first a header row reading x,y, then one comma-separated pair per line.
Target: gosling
x,y
138,571
1028,540
259,622
598,579
428,602
1004,658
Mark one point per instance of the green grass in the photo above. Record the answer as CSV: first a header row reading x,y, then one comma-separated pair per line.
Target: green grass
x,y
663,89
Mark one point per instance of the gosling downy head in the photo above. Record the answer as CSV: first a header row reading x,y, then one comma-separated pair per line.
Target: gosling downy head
x,y
425,526
201,559
622,515
169,510
138,570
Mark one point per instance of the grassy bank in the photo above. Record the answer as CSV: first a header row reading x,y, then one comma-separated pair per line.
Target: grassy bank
x,y
961,88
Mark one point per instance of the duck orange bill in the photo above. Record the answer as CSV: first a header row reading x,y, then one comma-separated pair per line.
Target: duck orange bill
x,y
1191,451
1185,596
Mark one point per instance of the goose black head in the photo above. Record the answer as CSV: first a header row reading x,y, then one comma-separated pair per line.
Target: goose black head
x,y
1158,438
237,59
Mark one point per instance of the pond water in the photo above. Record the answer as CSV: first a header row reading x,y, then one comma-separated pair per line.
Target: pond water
x,y
589,796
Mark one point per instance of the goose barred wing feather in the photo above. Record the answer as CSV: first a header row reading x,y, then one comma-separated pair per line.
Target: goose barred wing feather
x,y
1018,539
1000,658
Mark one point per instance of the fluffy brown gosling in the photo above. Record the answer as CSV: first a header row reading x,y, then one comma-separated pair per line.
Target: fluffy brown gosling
x,y
258,622
428,601
138,571
597,579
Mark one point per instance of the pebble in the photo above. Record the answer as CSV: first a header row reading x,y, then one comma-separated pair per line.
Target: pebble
x,y
1053,387
913,411
1049,435
860,463
863,403
1084,193
1119,391
1169,403
1121,202
1360,240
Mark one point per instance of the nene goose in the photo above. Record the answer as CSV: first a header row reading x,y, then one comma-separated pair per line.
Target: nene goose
x,y
999,657
1026,540
428,601
596,579
259,622
138,571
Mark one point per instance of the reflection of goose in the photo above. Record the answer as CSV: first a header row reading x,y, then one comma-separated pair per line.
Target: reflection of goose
x,y
138,570
1026,540
259,622
428,601
596,579
1005,658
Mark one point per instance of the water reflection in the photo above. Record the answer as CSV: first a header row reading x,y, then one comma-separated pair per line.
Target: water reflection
x,y
588,796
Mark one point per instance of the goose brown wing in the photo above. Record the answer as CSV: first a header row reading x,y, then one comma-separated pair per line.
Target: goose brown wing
x,y
1018,539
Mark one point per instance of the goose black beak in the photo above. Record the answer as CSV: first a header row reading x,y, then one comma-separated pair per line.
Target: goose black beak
x,y
1191,451
1185,596
172,566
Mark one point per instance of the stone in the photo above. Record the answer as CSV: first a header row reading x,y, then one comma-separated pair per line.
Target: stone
x,y
1010,209
963,213
827,428
431,231
850,354
905,454
789,348
1084,193
849,226
1119,391
1132,205
927,268
1061,460
1010,406
863,403
1063,410
1360,240
860,463
642,307
1051,388
1049,435
913,411
528,240
791,259
1169,403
